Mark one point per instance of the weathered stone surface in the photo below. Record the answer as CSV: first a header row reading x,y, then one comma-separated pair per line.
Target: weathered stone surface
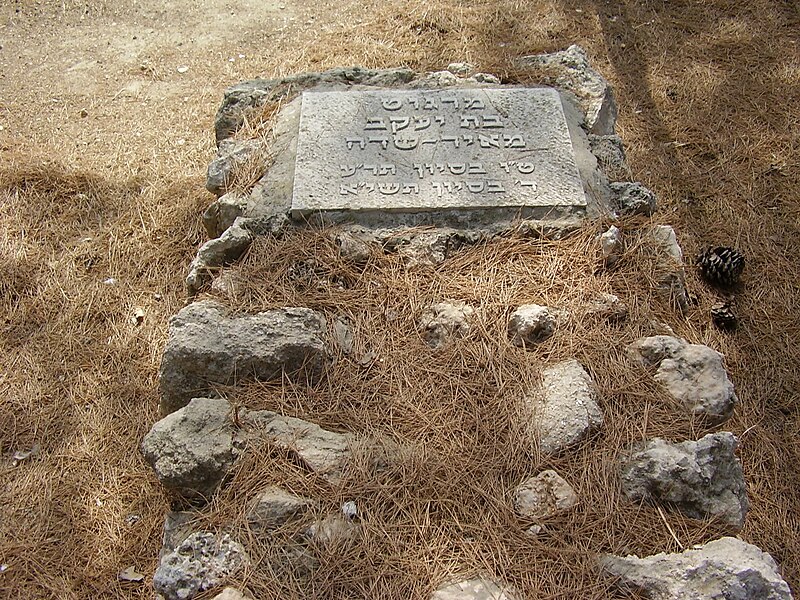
x,y
564,410
217,253
571,71
607,307
444,321
429,248
178,526
379,155
223,212
333,529
632,199
610,153
611,246
702,478
231,155
230,593
207,346
192,449
543,496
665,238
531,323
462,69
693,374
669,267
477,588
356,246
725,569
323,452
256,93
201,562
274,507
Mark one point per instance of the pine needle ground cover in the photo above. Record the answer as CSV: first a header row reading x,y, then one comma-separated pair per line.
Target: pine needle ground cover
x,y
708,94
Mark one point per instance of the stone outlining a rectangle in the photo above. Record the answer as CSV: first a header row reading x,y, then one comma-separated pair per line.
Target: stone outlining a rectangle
x,y
472,153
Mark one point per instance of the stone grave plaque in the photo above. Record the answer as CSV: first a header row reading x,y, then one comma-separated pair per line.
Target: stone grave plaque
x,y
435,156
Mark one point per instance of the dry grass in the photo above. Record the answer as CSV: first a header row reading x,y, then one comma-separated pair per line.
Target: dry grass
x,y
708,93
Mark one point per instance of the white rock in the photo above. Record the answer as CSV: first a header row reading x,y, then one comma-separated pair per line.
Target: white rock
x,y
201,562
460,68
725,569
477,588
544,496
564,410
443,321
611,245
230,593
693,374
531,323
607,307
274,507
664,236
701,479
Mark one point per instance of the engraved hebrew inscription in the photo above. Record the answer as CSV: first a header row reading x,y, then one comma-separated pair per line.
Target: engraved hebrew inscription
x,y
434,149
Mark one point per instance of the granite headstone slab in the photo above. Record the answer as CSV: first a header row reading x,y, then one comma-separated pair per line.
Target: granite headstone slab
x,y
457,153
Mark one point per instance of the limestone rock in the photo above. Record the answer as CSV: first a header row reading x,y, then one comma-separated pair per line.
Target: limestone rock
x,y
230,593
670,272
356,246
610,153
258,92
572,72
702,478
564,410
231,154
530,324
693,374
725,569
207,346
611,246
217,253
275,507
443,321
323,452
192,449
202,561
177,527
607,307
477,588
632,199
223,212
544,496
665,238
462,69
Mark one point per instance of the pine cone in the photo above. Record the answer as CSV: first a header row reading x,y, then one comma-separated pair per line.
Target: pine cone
x,y
722,316
721,265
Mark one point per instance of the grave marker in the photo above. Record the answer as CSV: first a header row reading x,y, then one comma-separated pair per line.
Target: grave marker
x,y
433,155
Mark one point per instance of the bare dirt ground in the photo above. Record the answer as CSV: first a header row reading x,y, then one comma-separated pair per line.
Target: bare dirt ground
x,y
103,149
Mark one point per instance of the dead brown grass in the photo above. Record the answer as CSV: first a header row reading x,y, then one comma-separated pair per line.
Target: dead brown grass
x,y
709,95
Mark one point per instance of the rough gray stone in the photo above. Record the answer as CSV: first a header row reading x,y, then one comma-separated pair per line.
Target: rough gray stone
x,y
666,240
702,478
427,248
192,449
207,346
223,212
231,155
611,246
610,153
202,561
323,452
478,588
725,569
443,321
669,267
693,374
531,323
178,526
274,507
343,336
356,246
256,93
572,71
543,496
333,529
607,307
564,410
216,253
632,199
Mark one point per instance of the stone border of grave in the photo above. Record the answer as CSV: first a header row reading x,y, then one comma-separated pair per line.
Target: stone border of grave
x,y
197,443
